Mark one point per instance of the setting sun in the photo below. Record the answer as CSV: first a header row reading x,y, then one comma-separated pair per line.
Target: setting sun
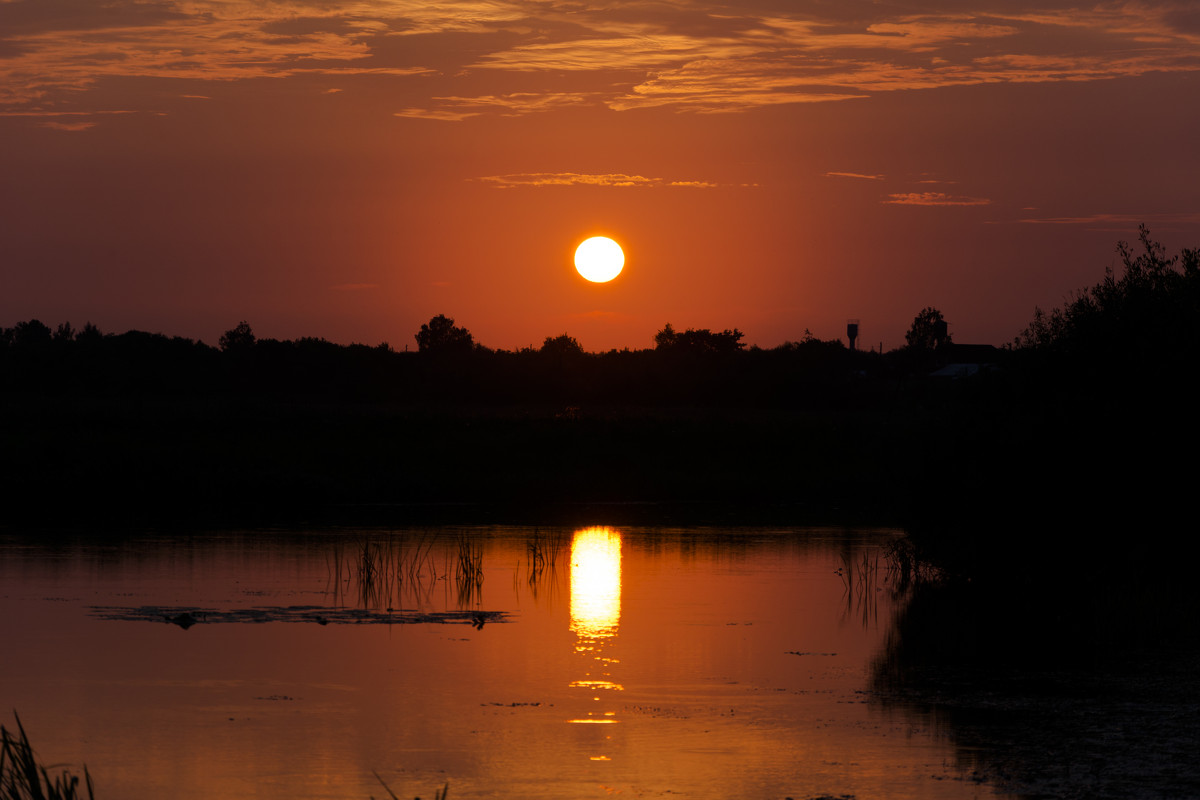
x,y
599,259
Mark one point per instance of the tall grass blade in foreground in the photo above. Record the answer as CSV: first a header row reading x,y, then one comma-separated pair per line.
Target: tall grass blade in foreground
x,y
22,778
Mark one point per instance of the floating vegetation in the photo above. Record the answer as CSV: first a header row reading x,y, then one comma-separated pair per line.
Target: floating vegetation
x,y
23,778
319,615
438,794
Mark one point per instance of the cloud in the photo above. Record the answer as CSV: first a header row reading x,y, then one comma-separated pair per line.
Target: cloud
x,y
723,86
59,54
1119,222
454,109
69,126
625,53
353,287
854,175
934,199
443,115
695,56
616,179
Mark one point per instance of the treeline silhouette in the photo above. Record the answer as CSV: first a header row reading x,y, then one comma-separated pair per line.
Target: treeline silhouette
x,y
1078,419
689,368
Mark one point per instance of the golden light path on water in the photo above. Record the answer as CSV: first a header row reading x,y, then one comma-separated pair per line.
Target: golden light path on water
x,y
595,583
596,616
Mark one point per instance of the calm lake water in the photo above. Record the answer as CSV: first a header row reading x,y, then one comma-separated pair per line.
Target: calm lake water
x,y
507,662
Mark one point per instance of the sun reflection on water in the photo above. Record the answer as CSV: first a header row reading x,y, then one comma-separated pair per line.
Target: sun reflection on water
x,y
595,617
595,584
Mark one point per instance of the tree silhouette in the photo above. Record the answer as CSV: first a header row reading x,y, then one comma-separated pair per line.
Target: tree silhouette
x,y
238,339
441,335
665,338
562,346
929,331
698,340
33,333
1143,317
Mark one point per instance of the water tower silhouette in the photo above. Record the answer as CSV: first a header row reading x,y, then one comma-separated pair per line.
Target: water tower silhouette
x,y
852,331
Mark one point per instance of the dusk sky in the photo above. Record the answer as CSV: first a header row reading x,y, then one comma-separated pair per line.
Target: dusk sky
x,y
347,170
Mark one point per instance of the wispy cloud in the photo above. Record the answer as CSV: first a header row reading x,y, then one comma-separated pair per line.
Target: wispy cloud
x,y
439,114
453,109
934,199
69,126
854,175
616,179
686,55
1119,222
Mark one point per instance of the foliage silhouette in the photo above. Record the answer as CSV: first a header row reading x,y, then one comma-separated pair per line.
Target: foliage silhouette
x,y
698,340
928,332
441,336
562,346
239,338
1143,320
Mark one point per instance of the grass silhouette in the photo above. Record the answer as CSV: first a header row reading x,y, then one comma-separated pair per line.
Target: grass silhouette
x,y
23,778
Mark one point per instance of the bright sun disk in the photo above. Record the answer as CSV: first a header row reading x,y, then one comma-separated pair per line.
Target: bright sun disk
x,y
599,259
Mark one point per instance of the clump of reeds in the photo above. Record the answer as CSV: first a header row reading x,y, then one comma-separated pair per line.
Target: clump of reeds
x,y
385,574
905,567
541,552
861,580
22,778
468,571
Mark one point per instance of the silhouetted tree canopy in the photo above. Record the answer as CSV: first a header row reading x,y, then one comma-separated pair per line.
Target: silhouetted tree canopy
x,y
238,338
698,340
33,333
441,335
1149,311
562,346
928,332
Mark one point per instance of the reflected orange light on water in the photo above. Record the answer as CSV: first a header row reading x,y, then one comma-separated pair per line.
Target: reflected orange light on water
x,y
595,584
596,615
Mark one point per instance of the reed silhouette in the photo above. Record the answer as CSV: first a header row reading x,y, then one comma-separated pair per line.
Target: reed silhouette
x,y
23,777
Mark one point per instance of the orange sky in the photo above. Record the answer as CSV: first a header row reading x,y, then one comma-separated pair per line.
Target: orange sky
x,y
350,169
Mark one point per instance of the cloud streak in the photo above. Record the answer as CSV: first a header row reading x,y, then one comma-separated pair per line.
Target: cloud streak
x,y
934,199
858,175
614,179
1119,222
682,55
